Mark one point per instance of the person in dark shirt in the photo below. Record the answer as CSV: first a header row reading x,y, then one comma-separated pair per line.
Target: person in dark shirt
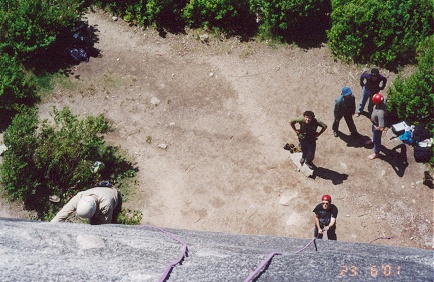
x,y
325,215
307,135
345,106
371,84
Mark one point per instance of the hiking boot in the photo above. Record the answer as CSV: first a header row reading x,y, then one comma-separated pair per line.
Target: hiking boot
x,y
302,161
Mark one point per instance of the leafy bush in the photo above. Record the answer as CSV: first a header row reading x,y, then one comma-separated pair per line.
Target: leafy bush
x,y
232,16
412,99
292,19
382,33
162,14
166,14
16,88
131,11
28,27
27,30
46,159
130,217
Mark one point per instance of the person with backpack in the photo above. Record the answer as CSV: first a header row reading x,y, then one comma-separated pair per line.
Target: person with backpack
x,y
325,215
100,205
378,124
307,135
371,84
345,106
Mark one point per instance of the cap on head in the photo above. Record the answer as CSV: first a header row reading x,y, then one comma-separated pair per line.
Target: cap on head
x,y
86,207
377,99
346,91
375,72
309,113
326,198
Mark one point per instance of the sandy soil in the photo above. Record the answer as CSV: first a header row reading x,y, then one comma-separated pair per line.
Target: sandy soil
x,y
223,113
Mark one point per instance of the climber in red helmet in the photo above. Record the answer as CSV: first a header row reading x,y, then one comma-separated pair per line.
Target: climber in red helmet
x,y
378,123
325,218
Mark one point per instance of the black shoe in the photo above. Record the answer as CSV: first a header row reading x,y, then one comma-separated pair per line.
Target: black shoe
x,y
302,161
310,165
335,133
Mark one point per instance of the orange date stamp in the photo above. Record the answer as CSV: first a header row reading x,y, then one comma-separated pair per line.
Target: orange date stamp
x,y
382,270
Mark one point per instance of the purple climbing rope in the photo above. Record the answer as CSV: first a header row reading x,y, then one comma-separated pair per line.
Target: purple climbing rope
x,y
251,276
307,245
270,256
262,265
181,257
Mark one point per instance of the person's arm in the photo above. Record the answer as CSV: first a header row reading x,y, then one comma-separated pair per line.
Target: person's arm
x,y
383,84
333,217
315,217
67,210
292,123
323,128
336,109
332,222
353,104
362,79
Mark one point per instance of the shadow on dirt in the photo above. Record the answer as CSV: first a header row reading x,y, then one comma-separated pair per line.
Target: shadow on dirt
x,y
72,47
325,173
396,157
356,142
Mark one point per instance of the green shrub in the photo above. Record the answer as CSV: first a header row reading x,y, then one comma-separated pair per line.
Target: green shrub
x,y
166,14
131,11
130,217
382,33
56,158
292,19
232,16
16,88
412,99
27,31
28,28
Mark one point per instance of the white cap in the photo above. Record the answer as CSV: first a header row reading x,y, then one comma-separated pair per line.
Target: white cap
x,y
86,207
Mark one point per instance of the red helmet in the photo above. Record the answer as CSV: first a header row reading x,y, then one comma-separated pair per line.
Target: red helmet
x,y
377,99
326,198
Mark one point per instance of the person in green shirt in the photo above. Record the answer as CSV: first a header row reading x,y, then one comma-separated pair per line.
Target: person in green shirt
x,y
307,135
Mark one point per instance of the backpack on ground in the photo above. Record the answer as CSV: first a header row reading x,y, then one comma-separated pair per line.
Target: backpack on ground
x,y
78,55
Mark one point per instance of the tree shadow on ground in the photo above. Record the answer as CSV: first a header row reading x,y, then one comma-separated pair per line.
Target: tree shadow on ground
x,y
325,173
57,56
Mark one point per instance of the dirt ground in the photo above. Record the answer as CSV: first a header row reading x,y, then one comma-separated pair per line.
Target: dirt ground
x,y
221,109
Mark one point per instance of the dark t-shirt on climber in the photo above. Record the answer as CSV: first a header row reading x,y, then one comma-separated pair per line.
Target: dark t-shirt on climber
x,y
324,215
